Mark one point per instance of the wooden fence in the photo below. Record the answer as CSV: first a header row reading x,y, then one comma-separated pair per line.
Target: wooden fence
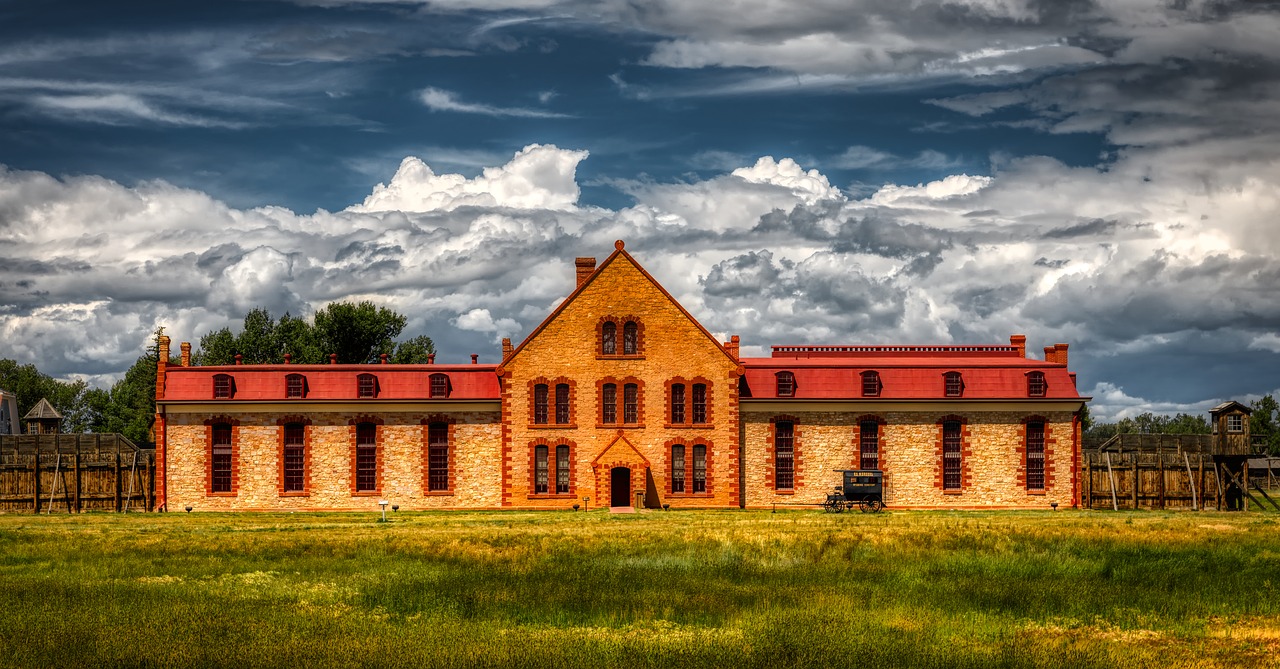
x,y
70,473
1137,480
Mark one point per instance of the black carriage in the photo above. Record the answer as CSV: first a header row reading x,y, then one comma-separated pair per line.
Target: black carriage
x,y
863,488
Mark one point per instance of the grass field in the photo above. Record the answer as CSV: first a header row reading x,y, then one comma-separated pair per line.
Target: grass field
x,y
741,589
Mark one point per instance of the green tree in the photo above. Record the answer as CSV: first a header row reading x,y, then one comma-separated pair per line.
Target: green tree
x,y
413,351
1263,424
358,333
30,385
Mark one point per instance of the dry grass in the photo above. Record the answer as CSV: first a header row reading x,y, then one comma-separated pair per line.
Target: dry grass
x,y
662,589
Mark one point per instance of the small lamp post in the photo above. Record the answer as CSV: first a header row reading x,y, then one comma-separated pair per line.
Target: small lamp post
x,y
575,507
188,508
1054,505
383,503
395,507
666,507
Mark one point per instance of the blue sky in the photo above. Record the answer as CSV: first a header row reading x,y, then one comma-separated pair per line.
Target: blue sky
x,y
833,172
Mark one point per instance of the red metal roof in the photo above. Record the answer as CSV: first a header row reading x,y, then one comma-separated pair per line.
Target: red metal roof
x,y
332,382
906,376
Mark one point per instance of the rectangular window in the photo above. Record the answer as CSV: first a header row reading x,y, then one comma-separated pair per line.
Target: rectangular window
x,y
699,468
609,339
221,469
222,387
631,404
540,404
677,468
366,457
951,462
1235,423
699,403
366,386
786,384
1036,385
294,386
439,385
562,404
438,457
562,469
630,338
783,455
870,384
609,404
677,403
539,469
294,457
954,384
869,446
1035,456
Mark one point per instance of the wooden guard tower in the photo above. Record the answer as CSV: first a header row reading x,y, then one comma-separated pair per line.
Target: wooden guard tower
x,y
43,419
1231,451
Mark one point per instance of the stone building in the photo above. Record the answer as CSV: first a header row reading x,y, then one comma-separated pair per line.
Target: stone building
x,y
620,397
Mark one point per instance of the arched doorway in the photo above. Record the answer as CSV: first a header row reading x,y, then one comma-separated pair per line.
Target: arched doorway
x,y
620,486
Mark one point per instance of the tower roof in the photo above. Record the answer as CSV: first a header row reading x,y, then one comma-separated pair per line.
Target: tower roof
x,y
42,410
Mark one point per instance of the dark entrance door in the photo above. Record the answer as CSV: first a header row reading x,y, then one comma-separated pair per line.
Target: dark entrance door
x,y
620,486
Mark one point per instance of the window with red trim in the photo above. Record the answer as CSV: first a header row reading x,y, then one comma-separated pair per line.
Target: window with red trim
x,y
869,444
871,384
786,384
630,338
609,404
437,457
295,386
699,468
439,385
539,469
562,469
951,455
677,468
677,403
366,457
540,400
953,384
220,450
631,404
1036,385
609,338
295,457
784,455
1035,456
366,386
562,404
699,403
224,387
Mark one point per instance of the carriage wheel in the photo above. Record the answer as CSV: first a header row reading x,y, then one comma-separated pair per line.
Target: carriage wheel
x,y
862,505
828,506
876,505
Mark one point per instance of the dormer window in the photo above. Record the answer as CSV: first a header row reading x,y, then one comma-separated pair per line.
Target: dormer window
x,y
295,386
224,387
786,384
871,384
953,384
439,385
1036,385
366,386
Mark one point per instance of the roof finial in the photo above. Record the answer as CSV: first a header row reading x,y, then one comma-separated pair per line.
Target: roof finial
x,y
619,244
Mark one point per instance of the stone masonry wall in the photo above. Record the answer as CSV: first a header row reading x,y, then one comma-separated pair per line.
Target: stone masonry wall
x,y
910,458
475,444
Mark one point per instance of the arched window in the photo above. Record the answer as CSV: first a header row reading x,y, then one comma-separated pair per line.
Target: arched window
x,y
631,404
699,403
609,404
1036,385
295,457
609,338
366,457
784,455
953,384
439,385
295,386
562,404
224,387
540,404
540,469
1035,455
677,403
630,338
952,454
786,384
699,468
366,386
677,468
871,384
437,457
220,458
562,469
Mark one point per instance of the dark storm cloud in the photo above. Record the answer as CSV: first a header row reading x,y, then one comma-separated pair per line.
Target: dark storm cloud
x,y
1095,228
890,238
742,276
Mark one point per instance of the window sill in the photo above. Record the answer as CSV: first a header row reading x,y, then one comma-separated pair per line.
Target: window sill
x,y
690,495
952,492
785,492
222,494
562,495
366,493
438,493
1039,493
689,426
635,356
619,426
295,493
553,426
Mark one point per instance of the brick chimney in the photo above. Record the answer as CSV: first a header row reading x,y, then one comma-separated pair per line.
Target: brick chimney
x,y
475,358
1020,341
161,363
1050,354
186,353
431,358
507,348
1060,354
585,267
731,347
